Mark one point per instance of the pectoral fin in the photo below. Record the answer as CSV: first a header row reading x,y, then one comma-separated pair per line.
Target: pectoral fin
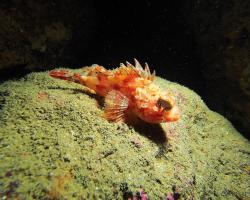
x,y
116,105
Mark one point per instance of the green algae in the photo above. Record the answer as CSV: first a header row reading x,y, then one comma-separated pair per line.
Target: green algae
x,y
55,144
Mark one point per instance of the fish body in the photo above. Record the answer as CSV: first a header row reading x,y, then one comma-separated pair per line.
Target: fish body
x,y
128,90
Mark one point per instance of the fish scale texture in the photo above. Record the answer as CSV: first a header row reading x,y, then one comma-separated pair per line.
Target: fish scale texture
x,y
55,144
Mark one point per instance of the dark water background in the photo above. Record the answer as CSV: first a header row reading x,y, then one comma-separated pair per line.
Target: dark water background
x,y
152,32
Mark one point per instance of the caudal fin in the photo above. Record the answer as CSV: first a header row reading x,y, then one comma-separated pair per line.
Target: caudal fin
x,y
66,75
61,74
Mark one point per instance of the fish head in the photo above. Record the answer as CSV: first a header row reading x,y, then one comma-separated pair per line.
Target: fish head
x,y
166,105
154,106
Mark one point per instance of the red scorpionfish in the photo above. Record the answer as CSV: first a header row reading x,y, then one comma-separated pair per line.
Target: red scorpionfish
x,y
128,91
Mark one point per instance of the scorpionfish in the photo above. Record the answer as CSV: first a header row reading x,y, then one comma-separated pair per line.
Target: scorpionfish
x,y
128,91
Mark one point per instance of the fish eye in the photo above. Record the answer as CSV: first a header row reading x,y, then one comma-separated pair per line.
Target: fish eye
x,y
165,104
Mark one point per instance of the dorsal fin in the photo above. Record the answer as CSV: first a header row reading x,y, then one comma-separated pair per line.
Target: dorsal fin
x,y
144,72
137,65
136,70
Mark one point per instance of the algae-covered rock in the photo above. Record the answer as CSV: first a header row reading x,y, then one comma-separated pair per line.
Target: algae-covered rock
x,y
55,144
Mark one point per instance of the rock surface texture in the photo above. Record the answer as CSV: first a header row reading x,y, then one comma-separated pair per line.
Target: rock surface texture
x,y
55,144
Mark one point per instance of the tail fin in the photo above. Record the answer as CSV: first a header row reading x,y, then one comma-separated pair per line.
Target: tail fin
x,y
65,75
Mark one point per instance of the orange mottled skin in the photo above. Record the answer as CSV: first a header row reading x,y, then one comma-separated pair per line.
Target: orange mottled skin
x,y
127,89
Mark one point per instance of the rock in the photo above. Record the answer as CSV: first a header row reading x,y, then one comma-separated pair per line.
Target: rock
x,y
55,144
36,35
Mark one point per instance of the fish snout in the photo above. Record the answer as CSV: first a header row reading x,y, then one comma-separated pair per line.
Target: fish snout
x,y
172,115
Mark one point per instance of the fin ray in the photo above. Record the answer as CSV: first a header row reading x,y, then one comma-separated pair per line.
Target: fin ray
x,y
116,105
136,70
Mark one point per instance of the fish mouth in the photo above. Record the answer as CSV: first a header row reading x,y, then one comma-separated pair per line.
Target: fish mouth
x,y
172,115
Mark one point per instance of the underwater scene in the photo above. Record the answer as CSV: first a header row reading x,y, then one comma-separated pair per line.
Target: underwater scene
x,y
94,106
